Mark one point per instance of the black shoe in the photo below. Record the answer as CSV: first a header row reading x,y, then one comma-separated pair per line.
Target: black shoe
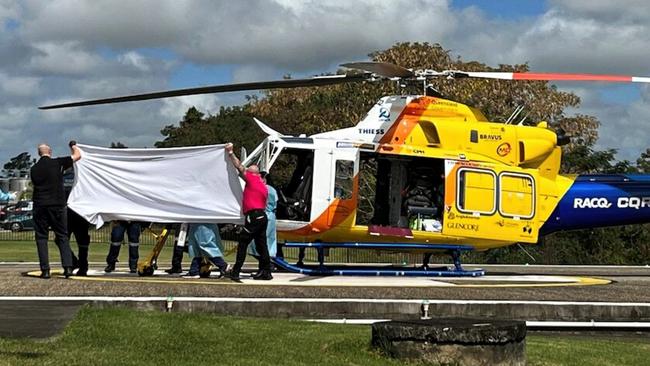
x,y
174,270
133,270
75,262
45,274
82,272
263,276
109,268
235,276
67,272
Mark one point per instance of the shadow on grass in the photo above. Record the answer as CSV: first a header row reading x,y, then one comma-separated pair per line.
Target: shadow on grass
x,y
23,355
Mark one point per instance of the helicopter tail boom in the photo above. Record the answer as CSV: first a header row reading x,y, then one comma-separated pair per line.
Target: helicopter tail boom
x,y
602,200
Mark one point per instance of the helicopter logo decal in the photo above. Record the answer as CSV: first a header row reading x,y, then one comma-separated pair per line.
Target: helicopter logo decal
x,y
384,114
504,149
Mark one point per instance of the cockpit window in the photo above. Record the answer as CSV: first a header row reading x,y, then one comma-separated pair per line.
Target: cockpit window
x,y
343,183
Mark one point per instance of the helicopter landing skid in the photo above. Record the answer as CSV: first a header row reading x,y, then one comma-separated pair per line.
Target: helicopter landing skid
x,y
321,269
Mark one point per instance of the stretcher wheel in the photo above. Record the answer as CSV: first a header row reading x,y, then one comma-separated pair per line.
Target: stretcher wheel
x,y
146,271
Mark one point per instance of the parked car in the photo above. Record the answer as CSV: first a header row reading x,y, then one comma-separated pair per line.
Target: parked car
x,y
19,221
18,217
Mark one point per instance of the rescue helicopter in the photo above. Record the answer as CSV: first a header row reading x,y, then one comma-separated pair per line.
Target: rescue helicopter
x,y
445,179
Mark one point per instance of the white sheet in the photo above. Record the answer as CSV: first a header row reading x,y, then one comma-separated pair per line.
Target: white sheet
x,y
188,184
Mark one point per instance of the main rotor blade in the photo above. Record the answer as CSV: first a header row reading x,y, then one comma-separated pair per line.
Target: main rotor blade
x,y
277,84
549,76
381,68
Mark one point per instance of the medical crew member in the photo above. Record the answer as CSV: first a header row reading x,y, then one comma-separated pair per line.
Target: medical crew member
x,y
204,241
271,233
255,221
7,196
78,226
132,230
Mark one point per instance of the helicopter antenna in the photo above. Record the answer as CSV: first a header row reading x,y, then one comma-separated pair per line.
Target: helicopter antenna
x,y
514,114
525,251
523,119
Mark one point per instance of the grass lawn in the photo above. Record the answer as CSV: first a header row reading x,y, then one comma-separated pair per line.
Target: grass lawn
x,y
25,251
129,337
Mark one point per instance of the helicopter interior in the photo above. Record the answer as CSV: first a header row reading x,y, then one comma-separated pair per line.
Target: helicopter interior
x,y
401,191
292,177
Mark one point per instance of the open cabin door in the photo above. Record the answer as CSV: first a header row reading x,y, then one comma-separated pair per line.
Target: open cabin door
x,y
489,202
344,186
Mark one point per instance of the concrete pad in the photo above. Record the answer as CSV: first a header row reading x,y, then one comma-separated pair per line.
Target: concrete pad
x,y
295,279
27,318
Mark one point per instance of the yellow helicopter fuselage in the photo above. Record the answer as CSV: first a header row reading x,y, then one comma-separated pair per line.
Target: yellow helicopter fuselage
x,y
496,184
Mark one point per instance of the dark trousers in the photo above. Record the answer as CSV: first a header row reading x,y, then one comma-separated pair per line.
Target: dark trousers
x,y
177,256
56,218
254,229
78,226
132,230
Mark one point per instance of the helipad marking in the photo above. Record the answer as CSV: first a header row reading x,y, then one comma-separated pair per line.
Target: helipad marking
x,y
297,280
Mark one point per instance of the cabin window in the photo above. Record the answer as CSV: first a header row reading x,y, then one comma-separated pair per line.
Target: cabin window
x,y
292,177
476,191
517,198
344,180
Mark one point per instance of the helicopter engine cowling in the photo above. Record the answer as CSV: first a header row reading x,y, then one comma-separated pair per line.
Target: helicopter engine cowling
x,y
534,150
535,143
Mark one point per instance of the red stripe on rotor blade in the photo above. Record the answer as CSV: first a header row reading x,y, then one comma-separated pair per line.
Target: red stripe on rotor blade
x,y
575,77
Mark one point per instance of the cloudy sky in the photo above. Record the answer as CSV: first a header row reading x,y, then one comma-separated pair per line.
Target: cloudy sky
x,y
65,50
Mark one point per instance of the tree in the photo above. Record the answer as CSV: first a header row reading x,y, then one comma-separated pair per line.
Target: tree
x,y
117,145
18,164
231,124
21,161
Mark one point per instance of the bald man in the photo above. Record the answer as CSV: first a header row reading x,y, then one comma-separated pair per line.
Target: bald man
x,y
50,206
255,219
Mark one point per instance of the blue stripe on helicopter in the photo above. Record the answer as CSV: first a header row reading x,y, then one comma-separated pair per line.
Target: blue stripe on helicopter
x,y
602,200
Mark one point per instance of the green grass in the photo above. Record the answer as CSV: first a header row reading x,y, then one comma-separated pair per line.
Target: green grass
x,y
126,337
579,350
25,251
129,337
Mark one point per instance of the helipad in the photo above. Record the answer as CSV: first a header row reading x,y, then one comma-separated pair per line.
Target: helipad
x,y
298,280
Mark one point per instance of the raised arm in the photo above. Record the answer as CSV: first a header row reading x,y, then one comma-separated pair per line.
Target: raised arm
x,y
76,153
235,161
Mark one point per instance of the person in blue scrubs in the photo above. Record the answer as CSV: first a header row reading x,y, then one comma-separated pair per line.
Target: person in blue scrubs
x,y
7,196
204,241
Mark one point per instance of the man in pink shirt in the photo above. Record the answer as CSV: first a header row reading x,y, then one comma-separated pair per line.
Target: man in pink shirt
x,y
253,205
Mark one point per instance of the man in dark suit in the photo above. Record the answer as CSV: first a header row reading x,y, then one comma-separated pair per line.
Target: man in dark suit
x,y
50,206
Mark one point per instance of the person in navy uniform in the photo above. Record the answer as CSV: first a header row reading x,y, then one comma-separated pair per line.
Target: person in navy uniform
x,y
132,230
78,226
50,206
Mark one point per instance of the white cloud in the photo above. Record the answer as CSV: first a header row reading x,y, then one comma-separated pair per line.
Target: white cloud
x,y
21,86
173,109
8,10
134,59
64,58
